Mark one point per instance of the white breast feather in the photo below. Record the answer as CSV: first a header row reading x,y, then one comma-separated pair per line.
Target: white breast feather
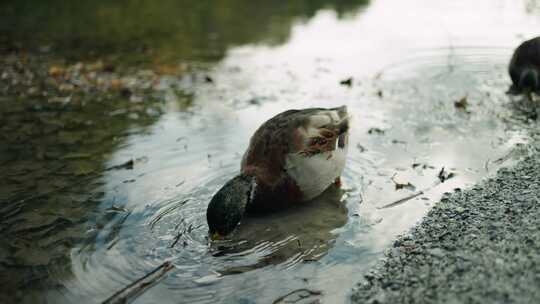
x,y
315,173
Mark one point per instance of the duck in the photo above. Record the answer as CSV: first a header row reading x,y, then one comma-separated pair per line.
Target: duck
x,y
524,68
291,158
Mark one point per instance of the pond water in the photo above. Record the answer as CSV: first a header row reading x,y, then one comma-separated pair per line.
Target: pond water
x,y
427,99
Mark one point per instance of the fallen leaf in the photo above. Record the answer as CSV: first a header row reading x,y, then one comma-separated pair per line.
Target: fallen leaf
x,y
462,103
56,71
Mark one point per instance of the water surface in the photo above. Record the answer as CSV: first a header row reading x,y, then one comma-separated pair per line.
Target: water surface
x,y
80,228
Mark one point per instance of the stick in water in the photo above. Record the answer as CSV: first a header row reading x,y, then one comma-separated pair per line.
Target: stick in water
x,y
135,289
403,200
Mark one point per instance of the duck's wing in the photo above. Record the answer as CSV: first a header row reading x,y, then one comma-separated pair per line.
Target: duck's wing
x,y
306,132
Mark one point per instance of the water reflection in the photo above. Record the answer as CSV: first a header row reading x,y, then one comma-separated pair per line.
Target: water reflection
x,y
298,234
188,30
53,185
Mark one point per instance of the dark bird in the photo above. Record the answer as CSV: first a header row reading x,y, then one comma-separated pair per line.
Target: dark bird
x,y
524,68
291,158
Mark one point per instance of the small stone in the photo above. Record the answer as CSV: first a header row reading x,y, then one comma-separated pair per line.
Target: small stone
x,y
436,252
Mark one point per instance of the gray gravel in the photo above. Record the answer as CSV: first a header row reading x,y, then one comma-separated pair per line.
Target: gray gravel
x,y
476,246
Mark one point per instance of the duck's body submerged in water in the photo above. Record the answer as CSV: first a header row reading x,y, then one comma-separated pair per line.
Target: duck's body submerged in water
x,y
524,68
291,158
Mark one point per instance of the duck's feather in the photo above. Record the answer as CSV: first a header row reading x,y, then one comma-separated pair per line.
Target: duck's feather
x,y
297,153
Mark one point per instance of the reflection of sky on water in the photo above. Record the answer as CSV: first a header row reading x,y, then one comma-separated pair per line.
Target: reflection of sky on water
x,y
427,55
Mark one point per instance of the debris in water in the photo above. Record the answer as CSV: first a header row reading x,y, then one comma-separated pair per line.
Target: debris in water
x,y
166,211
422,166
135,289
360,148
176,239
375,131
444,176
184,140
127,165
115,208
347,82
298,295
401,201
462,103
400,186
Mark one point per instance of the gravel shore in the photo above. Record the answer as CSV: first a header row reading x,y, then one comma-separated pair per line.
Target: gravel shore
x,y
476,246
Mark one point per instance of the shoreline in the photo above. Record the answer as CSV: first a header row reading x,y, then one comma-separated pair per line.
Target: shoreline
x,y
479,245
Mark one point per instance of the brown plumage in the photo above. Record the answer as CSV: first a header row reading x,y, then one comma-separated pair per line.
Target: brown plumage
x,y
292,157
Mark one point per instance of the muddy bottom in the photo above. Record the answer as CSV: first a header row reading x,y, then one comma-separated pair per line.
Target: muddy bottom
x,y
99,194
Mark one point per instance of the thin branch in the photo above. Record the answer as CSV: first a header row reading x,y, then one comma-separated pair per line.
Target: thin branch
x,y
310,293
133,290
403,200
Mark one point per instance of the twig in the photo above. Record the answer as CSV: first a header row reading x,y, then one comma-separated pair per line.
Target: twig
x,y
403,200
176,239
155,220
126,165
310,293
133,290
115,231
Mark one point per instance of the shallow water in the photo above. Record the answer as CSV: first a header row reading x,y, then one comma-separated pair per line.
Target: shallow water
x,y
79,230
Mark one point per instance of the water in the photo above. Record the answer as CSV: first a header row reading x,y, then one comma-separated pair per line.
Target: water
x,y
79,229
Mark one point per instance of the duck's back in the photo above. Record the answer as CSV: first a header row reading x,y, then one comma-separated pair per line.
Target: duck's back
x,y
527,55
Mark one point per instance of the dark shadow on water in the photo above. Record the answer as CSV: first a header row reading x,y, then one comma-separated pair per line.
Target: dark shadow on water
x,y
53,158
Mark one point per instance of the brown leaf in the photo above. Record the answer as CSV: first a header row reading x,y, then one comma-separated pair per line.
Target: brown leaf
x,y
462,103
